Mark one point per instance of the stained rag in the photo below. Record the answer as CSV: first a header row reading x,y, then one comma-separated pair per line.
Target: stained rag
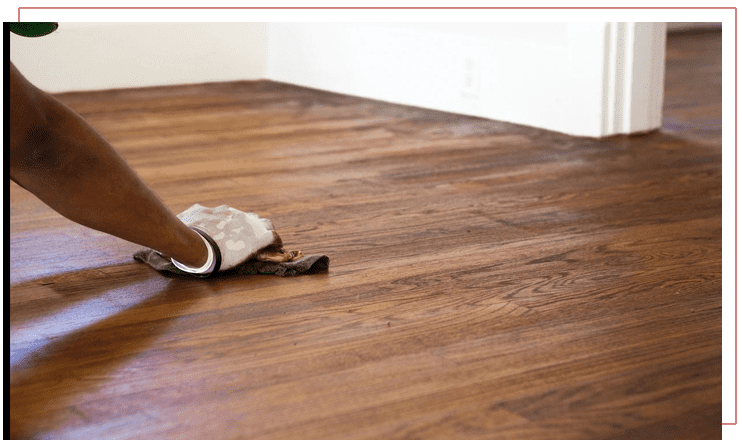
x,y
303,265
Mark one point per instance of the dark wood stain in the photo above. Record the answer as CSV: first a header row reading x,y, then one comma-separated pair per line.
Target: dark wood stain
x,y
488,280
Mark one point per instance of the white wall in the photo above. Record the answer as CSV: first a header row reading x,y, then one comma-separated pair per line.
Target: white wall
x,y
91,56
575,78
516,72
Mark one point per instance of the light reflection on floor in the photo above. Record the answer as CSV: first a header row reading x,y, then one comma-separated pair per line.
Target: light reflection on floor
x,y
31,336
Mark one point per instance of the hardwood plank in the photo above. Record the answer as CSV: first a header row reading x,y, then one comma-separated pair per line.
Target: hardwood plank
x,y
487,280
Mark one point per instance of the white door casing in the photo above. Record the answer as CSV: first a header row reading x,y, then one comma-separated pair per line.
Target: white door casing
x,y
633,78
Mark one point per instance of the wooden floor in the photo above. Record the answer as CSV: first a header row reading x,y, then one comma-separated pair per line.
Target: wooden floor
x,y
486,280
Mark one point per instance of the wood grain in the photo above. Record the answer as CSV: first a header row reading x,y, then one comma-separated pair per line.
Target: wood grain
x,y
487,280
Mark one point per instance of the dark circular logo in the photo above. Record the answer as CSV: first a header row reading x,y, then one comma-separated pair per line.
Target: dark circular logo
x,y
33,29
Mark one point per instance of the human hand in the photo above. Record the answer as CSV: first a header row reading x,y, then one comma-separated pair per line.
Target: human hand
x,y
239,235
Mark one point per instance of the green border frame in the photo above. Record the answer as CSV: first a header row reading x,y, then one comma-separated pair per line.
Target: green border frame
x,y
630,11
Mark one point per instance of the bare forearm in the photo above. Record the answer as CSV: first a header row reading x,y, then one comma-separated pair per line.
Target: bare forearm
x,y
74,170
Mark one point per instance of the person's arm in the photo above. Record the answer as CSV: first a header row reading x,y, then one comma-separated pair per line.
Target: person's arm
x,y
56,155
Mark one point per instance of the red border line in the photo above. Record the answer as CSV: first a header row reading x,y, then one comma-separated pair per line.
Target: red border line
x,y
503,7
735,216
373,7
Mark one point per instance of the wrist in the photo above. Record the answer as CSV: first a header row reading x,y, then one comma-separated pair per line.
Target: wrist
x,y
213,260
